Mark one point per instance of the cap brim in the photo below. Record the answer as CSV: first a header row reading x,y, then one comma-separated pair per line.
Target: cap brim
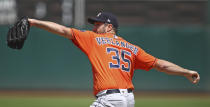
x,y
92,20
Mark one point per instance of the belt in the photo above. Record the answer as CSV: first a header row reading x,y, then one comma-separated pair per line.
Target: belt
x,y
117,91
112,91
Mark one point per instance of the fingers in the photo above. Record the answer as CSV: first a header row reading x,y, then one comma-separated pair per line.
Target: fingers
x,y
195,78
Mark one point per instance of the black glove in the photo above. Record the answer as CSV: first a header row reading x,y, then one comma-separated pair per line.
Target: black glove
x,y
18,33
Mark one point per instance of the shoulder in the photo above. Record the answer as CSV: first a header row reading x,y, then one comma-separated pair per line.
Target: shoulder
x,y
77,32
80,31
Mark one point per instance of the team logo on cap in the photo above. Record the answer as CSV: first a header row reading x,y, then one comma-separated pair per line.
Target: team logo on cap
x,y
99,14
108,20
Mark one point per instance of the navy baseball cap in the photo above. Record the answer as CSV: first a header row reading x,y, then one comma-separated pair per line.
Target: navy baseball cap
x,y
104,17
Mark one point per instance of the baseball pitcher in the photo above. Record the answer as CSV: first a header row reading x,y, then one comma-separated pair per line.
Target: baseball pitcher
x,y
113,59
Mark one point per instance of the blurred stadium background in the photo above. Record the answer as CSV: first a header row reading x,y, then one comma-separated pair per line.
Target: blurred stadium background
x,y
49,65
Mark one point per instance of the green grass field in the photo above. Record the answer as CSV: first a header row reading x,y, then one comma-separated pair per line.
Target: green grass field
x,y
65,101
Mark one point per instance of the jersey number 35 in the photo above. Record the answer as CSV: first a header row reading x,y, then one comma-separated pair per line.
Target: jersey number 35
x,y
118,57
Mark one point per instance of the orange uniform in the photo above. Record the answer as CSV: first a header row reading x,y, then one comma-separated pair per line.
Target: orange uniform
x,y
113,59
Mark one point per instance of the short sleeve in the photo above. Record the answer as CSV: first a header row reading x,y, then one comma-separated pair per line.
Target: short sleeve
x,y
144,60
82,39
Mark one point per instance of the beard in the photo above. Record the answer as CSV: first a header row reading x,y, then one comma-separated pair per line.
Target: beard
x,y
100,30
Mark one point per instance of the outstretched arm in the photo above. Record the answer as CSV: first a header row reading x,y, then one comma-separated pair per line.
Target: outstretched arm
x,y
52,27
173,69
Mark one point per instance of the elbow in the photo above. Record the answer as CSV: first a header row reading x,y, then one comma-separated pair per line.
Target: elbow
x,y
162,68
161,65
66,32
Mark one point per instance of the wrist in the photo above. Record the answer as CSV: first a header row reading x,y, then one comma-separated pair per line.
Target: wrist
x,y
187,72
31,22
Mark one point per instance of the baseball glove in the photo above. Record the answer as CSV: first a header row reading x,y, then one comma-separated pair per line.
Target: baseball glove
x,y
18,33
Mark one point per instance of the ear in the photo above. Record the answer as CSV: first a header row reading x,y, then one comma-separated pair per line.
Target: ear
x,y
109,27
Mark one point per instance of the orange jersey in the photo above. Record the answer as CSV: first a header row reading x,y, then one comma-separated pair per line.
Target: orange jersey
x,y
113,59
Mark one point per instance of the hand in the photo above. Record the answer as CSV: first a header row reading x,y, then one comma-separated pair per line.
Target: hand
x,y
193,76
18,33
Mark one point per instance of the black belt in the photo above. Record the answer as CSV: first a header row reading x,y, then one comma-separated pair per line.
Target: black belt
x,y
112,91
117,91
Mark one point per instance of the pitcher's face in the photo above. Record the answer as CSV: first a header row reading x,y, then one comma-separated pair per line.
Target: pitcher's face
x,y
99,27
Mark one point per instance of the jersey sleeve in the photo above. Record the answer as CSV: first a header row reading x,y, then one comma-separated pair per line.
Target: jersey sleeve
x,y
82,39
144,60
